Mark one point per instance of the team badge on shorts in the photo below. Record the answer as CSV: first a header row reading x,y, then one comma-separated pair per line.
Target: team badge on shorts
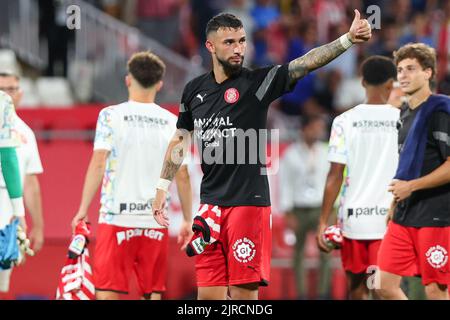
x,y
437,256
244,250
231,95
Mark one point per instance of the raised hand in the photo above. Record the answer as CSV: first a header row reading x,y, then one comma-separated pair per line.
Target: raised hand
x,y
360,30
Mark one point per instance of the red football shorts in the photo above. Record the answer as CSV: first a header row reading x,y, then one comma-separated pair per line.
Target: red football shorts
x,y
119,251
409,251
242,253
358,255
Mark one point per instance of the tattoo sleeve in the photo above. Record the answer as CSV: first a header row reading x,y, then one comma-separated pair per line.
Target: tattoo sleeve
x,y
314,59
176,151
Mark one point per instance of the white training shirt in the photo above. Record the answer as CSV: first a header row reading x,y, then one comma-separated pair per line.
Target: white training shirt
x,y
29,163
137,136
365,139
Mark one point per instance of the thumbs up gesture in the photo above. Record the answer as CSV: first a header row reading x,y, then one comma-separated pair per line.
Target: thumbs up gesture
x,y
360,30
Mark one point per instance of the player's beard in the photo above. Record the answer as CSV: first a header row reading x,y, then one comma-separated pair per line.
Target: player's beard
x,y
231,69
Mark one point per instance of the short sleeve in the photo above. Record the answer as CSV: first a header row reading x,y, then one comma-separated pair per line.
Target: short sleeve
x,y
185,120
8,133
104,133
337,148
34,165
273,82
441,132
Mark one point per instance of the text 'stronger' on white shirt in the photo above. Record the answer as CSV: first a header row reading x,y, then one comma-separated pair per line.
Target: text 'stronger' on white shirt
x,y
137,136
364,138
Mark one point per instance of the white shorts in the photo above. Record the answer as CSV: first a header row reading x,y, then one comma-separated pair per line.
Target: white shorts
x,y
5,275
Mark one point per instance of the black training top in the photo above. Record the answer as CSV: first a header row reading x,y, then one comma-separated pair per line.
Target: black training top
x,y
429,207
229,123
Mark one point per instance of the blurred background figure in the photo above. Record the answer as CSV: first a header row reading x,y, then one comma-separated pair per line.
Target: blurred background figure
x,y
303,171
159,19
53,28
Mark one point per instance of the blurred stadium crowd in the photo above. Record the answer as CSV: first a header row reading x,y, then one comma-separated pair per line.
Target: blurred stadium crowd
x,y
280,30
277,32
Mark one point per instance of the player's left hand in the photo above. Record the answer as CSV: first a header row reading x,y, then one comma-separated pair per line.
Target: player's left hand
x,y
400,189
360,30
185,234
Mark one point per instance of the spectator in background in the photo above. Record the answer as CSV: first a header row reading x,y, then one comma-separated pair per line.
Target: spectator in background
x,y
303,171
261,55
202,11
329,13
400,10
421,5
159,19
128,10
417,31
343,100
112,7
265,12
52,25
388,39
301,39
327,85
189,46
313,106
443,43
444,85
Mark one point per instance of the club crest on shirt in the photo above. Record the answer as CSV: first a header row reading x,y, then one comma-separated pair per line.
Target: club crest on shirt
x,y
437,256
231,95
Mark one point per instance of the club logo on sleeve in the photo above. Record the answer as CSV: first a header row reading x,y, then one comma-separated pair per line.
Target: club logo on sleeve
x,y
244,250
437,256
231,95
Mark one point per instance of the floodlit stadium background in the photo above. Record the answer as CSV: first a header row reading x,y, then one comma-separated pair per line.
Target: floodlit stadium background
x,y
71,56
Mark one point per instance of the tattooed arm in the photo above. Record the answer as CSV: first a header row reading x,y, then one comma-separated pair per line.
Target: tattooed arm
x,y
175,154
360,31
314,59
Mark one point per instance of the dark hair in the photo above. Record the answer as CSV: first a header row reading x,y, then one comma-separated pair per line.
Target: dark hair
x,y
306,120
147,68
377,70
223,20
425,55
7,74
